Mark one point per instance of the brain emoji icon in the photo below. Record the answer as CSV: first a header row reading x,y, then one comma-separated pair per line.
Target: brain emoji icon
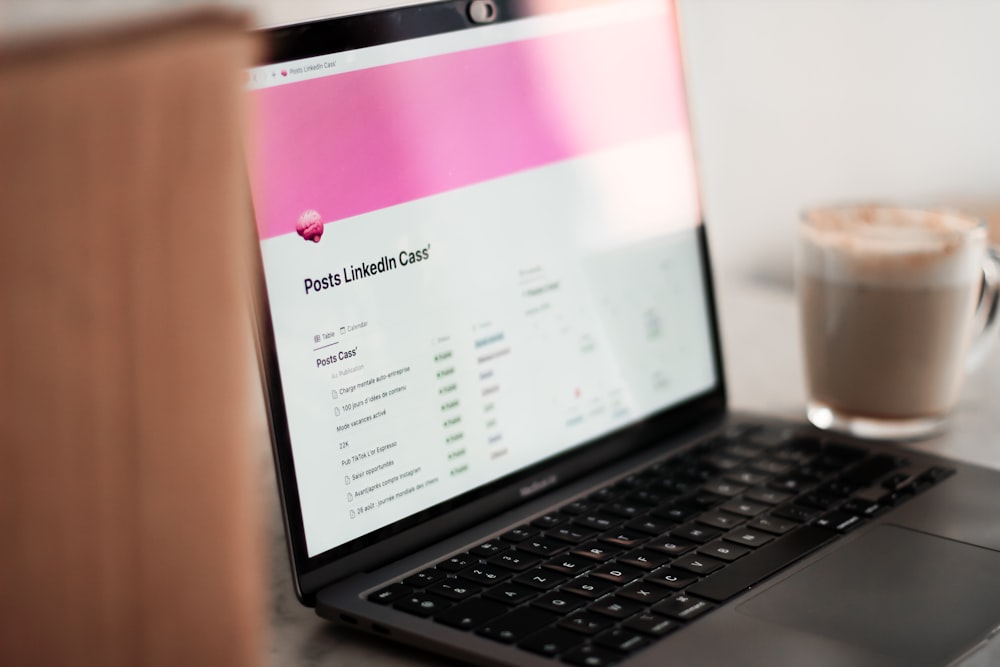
x,y
310,226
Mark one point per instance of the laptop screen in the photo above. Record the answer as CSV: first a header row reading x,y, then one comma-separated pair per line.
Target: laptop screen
x,y
480,250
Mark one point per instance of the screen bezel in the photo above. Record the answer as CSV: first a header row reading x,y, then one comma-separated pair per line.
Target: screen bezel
x,y
338,34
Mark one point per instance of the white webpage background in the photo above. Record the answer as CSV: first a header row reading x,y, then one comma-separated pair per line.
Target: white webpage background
x,y
565,301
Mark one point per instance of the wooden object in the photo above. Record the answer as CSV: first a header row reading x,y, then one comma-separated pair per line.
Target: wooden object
x,y
129,524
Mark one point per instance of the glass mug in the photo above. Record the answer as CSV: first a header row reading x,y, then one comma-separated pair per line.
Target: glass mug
x,y
896,304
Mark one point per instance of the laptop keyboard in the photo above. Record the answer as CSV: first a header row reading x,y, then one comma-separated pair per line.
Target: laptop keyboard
x,y
607,574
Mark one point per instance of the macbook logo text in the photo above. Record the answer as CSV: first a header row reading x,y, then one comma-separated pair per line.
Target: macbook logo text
x,y
538,485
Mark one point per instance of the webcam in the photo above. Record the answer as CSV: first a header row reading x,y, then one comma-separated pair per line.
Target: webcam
x,y
482,11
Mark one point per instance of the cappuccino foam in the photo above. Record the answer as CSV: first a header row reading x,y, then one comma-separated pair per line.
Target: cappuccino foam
x,y
887,298
891,247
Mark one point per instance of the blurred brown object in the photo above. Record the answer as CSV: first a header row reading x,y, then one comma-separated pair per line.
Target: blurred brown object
x,y
131,532
988,211
993,220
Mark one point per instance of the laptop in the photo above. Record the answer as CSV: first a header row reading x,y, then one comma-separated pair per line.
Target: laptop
x,y
494,379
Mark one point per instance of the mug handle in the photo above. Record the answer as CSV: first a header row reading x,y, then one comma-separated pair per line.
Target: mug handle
x,y
987,315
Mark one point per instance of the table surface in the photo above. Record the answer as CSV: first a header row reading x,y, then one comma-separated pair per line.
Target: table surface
x,y
764,372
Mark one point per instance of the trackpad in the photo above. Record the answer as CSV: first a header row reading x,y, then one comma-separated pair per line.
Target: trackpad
x,y
920,599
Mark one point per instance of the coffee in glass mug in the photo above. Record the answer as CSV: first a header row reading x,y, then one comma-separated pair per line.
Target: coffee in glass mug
x,y
894,302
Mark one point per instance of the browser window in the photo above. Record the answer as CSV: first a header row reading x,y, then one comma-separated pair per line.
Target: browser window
x,y
474,264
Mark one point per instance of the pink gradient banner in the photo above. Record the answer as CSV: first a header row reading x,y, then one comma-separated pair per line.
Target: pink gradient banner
x,y
364,140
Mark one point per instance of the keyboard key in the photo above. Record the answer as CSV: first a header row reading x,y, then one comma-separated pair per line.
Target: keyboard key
x,y
569,564
682,607
746,477
861,507
827,465
604,495
748,537
720,519
875,494
843,452
541,579
621,639
646,497
789,483
453,589
726,551
519,534
702,501
597,551
650,525
762,563
587,623
390,593
456,563
671,578
578,507
616,573
794,513
701,471
592,656
902,495
542,546
838,489
795,456
772,467
872,469
570,534
597,521
936,474
697,564
644,592
644,560
425,578
511,593
695,533
675,486
484,574
559,602
767,496
741,451
674,513
724,488
623,509
772,524
724,463
817,500
651,624
669,546
623,538
840,521
487,549
628,484
589,588
807,443
517,624
551,642
745,508
512,560
422,604
548,521
470,614
615,607
770,436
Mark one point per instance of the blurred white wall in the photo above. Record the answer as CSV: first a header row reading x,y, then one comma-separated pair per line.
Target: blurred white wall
x,y
794,102
797,102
